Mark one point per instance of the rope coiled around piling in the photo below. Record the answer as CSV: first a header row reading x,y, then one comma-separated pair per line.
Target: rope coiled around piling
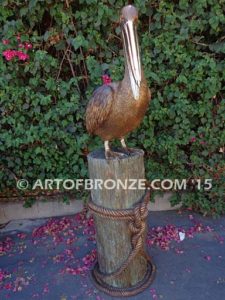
x,y
137,225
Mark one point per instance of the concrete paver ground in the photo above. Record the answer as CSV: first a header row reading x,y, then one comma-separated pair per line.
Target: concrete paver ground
x,y
50,258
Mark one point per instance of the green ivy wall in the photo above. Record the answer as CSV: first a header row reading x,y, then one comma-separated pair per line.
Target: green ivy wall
x,y
43,96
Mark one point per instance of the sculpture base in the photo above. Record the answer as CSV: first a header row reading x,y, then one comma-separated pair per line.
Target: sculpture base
x,y
124,267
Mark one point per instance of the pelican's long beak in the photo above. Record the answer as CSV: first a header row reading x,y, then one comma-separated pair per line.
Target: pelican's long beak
x,y
132,53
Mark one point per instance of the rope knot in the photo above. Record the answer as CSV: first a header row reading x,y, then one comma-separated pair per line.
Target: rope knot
x,y
137,225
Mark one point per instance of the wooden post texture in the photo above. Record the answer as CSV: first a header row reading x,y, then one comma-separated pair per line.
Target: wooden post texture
x,y
113,236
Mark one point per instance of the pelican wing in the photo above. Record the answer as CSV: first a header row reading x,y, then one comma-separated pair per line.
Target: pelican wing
x,y
99,108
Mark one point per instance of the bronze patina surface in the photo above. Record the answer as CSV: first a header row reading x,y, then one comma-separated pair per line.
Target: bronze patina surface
x,y
118,108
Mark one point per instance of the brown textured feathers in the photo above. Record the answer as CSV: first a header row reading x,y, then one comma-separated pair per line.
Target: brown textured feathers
x,y
99,108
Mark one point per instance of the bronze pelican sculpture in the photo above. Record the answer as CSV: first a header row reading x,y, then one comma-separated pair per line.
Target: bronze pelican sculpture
x,y
118,108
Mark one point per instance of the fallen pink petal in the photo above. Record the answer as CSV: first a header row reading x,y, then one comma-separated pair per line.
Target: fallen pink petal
x,y
207,257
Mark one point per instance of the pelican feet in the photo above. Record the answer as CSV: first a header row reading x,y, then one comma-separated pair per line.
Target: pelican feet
x,y
129,151
109,154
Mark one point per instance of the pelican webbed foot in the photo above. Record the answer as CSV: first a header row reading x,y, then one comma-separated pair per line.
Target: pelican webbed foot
x,y
127,150
109,154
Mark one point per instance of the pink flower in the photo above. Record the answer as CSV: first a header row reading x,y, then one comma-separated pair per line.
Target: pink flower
x,y
202,142
192,140
22,56
9,54
28,46
106,79
5,42
20,45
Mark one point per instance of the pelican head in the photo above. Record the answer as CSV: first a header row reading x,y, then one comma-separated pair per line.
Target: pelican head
x,y
128,20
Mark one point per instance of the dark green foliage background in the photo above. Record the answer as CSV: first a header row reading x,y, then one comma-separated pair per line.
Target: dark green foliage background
x,y
42,103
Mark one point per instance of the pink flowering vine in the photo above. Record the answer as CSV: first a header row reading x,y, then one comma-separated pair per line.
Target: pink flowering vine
x,y
10,54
